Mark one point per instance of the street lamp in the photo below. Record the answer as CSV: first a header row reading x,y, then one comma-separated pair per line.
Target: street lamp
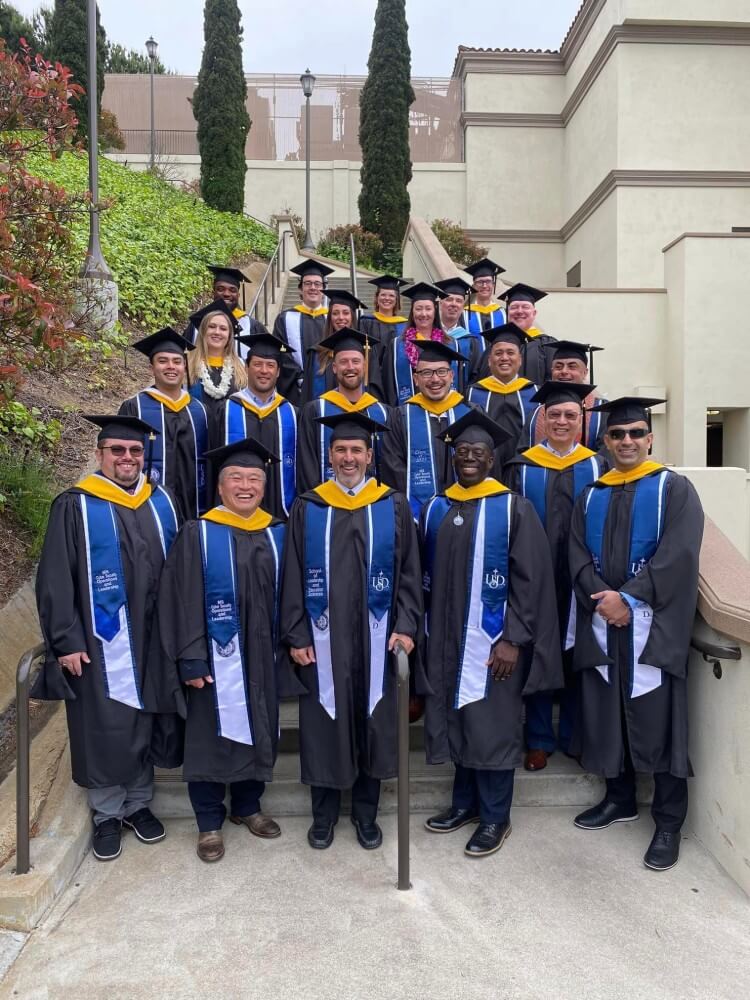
x,y
151,48
94,266
308,82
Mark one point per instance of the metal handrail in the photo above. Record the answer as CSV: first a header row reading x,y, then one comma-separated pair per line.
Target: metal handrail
x,y
276,267
402,673
353,265
713,652
424,262
23,756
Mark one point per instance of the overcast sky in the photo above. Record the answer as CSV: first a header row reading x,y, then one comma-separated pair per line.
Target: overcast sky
x,y
333,36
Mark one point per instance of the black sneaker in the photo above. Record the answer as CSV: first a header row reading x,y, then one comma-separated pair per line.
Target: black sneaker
x,y
663,852
147,828
107,840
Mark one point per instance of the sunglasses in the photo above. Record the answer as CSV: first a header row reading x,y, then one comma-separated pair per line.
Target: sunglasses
x,y
119,450
635,434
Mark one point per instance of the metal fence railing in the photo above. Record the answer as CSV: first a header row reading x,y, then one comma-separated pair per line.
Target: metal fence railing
x,y
23,755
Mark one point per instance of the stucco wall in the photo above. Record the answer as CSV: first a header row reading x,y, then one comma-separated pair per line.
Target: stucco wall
x,y
513,92
594,244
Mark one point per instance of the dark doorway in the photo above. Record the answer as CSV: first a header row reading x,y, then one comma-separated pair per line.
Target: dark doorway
x,y
714,444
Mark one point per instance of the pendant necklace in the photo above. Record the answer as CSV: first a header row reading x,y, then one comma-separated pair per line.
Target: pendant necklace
x,y
458,519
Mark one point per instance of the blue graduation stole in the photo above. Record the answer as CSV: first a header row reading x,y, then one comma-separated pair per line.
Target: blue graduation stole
x,y
487,588
421,475
375,411
107,594
473,320
481,396
224,633
402,370
286,444
534,482
381,532
646,526
153,412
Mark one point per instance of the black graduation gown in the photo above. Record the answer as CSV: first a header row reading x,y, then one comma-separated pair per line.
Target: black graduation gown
x,y
182,624
488,734
537,358
656,722
266,430
179,446
214,408
558,512
332,751
308,445
110,743
311,333
505,410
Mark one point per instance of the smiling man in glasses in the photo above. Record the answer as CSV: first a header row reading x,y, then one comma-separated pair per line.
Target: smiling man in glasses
x,y
634,547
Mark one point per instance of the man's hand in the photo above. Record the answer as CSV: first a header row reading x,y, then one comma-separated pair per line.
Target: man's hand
x,y
612,608
199,682
74,662
303,657
404,640
503,660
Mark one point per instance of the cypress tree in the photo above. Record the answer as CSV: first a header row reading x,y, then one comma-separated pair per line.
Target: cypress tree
x,y
219,107
68,45
384,128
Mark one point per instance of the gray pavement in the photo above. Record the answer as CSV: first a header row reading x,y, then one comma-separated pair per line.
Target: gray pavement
x,y
558,913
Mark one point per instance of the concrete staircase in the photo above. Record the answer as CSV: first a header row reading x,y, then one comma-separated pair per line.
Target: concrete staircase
x,y
561,783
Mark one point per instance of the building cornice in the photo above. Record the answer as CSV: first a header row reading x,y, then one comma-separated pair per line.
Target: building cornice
x,y
515,235
501,119
531,63
580,29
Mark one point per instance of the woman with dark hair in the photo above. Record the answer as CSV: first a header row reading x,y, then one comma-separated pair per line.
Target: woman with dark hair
x,y
401,356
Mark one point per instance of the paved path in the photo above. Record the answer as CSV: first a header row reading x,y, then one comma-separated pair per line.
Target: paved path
x,y
558,913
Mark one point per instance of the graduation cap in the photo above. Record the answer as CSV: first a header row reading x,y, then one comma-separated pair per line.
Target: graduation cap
x,y
168,341
119,426
552,393
522,293
484,268
454,286
509,333
434,350
346,340
474,427
342,297
389,281
627,409
247,454
232,275
422,291
572,349
264,345
218,305
356,426
311,267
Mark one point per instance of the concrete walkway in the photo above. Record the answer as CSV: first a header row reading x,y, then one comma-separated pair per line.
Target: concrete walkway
x,y
558,913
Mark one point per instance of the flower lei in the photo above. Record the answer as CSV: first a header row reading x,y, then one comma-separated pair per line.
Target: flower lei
x,y
225,382
410,336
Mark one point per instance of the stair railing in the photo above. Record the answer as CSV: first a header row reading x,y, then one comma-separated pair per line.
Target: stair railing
x,y
270,281
402,674
353,265
23,757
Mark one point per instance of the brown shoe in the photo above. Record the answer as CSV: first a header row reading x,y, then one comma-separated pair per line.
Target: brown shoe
x,y
210,845
535,760
260,825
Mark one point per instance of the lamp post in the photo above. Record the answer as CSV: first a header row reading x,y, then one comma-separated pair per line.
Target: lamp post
x,y
151,48
94,266
308,82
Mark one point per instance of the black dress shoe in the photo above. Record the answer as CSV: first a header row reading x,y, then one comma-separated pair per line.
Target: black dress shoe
x,y
320,835
663,852
147,828
107,840
369,835
488,838
604,815
451,819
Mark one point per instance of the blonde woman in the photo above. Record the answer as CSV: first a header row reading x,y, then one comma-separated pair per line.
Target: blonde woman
x,y
215,370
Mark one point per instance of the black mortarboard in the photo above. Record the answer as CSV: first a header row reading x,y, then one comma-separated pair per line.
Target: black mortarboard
x,y
218,305
307,267
522,293
552,393
346,340
247,454
355,426
434,350
454,286
422,290
342,296
572,349
484,268
166,340
507,332
388,281
474,427
627,409
232,275
117,426
264,345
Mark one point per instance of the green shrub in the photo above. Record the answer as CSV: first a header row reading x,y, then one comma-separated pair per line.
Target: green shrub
x,y
21,429
26,492
459,247
335,243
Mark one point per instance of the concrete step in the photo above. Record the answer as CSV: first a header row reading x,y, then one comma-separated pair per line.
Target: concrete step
x,y
561,783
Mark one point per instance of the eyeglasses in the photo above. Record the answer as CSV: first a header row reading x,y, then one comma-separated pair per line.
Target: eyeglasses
x,y
118,450
312,284
483,281
433,372
634,433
